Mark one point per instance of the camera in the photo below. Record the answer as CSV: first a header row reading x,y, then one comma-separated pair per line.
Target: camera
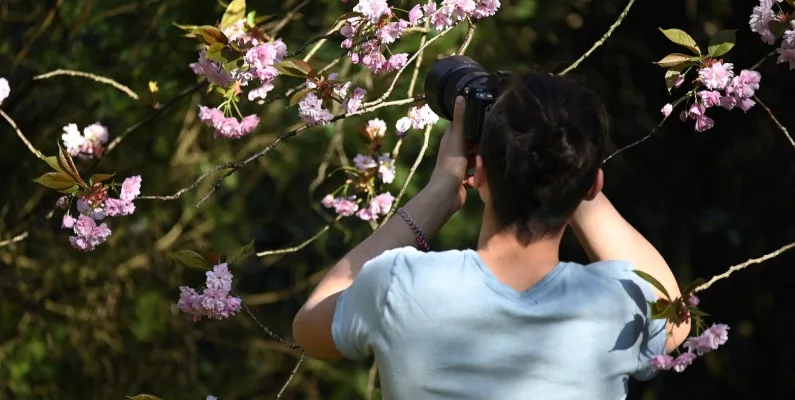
x,y
457,76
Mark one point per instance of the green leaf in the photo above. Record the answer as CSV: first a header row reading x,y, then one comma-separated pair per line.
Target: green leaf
x,y
298,96
654,283
293,67
251,18
692,286
209,34
56,180
681,38
661,309
722,42
188,28
143,397
52,161
676,60
214,52
191,259
697,312
234,12
72,190
96,178
243,253
671,76
68,166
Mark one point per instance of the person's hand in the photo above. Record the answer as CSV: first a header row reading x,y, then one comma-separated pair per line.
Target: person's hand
x,y
450,174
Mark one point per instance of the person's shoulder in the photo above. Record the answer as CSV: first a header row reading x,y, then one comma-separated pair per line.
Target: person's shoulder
x,y
616,276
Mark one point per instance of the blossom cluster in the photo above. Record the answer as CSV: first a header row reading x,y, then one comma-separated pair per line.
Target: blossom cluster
x,y
89,144
311,108
762,17
95,207
214,301
720,88
5,90
258,65
378,27
418,118
709,340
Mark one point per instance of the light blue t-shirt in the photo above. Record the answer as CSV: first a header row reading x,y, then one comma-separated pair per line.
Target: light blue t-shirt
x,y
441,326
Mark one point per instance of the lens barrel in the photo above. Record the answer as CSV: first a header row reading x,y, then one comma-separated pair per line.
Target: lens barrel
x,y
447,79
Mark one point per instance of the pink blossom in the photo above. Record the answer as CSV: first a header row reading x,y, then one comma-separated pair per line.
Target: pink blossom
x,y
210,116
260,92
486,8
353,103
693,301
683,361
786,55
220,278
397,61
373,9
666,110
392,31
5,90
189,301
118,207
415,15
704,123
761,17
237,34
88,234
328,201
346,207
248,123
92,211
376,128
745,84
402,125
217,304
745,104
710,98
73,141
212,70
386,168
422,116
459,8
679,81
366,215
68,222
439,19
96,133
716,76
364,162
262,56
662,362
341,91
381,204
311,110
131,188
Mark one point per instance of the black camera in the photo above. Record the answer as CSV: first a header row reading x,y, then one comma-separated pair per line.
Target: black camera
x,y
457,76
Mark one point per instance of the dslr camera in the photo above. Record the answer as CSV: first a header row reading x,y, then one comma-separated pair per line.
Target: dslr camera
x,y
457,76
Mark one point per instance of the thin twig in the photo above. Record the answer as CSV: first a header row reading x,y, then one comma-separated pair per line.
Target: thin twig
x,y
93,77
268,331
287,18
738,267
24,235
371,381
601,40
418,64
425,140
637,142
292,375
192,185
773,117
388,92
300,246
22,137
322,41
762,61
468,39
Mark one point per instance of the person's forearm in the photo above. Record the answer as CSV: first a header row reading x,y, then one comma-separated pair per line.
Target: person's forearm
x,y
606,235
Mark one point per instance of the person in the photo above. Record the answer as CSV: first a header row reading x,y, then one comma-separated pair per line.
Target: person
x,y
508,320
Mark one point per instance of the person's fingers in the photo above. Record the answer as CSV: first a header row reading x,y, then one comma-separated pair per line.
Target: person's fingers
x,y
458,118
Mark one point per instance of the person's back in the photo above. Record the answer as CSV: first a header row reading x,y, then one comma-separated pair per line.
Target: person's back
x,y
508,320
451,330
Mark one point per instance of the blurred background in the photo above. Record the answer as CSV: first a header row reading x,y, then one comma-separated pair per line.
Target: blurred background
x,y
104,324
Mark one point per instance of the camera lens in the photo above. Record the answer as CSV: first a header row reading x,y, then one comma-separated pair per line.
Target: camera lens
x,y
447,79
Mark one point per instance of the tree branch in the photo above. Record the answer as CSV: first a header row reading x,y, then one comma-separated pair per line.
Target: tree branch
x,y
738,267
426,139
268,331
22,137
93,77
302,245
468,39
24,235
292,375
601,40
778,124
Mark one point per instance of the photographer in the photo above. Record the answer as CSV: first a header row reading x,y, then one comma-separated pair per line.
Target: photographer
x,y
509,320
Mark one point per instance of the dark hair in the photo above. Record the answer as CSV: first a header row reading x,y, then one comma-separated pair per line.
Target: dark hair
x,y
542,145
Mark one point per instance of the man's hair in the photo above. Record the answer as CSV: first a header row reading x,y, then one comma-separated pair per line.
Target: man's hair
x,y
542,145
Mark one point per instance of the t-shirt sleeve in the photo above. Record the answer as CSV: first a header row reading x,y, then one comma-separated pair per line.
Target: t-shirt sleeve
x,y
358,315
654,335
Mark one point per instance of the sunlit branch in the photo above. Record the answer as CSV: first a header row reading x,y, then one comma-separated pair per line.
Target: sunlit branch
x,y
22,137
601,40
368,394
300,246
93,77
292,375
24,235
287,18
425,140
468,39
738,267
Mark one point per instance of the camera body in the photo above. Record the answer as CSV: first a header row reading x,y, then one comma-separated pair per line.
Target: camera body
x,y
457,76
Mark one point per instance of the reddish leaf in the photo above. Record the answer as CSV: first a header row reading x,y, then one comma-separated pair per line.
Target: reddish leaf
x,y
56,180
297,68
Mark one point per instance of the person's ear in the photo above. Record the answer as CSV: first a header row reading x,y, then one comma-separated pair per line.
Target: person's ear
x,y
478,179
596,186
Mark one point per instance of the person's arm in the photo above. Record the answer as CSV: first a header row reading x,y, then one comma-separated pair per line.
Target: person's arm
x,y
430,210
606,235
